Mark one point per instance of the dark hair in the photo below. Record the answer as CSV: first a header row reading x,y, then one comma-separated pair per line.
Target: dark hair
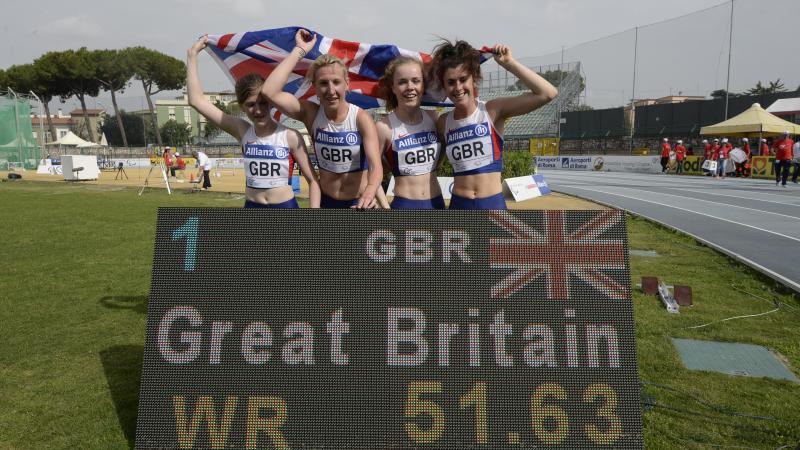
x,y
448,55
387,79
247,86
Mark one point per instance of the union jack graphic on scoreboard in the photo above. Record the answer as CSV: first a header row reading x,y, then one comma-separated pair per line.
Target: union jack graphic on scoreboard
x,y
555,254
239,54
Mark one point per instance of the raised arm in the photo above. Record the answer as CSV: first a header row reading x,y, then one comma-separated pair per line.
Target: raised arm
x,y
298,149
234,126
369,136
541,91
273,87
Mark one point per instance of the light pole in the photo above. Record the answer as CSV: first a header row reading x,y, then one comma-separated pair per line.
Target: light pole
x,y
730,45
41,124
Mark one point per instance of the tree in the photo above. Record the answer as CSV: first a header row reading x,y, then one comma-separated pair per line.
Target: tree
x,y
720,93
176,134
48,83
773,88
157,72
139,131
212,130
114,70
3,80
25,78
78,72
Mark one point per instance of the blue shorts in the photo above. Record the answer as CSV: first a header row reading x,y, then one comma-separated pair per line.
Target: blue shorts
x,y
287,204
405,203
330,202
494,202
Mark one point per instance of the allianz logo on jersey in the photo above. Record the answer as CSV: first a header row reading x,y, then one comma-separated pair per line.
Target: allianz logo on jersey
x,y
348,138
416,140
468,132
265,151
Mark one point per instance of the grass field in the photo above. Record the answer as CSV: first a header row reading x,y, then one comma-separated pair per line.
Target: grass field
x,y
74,277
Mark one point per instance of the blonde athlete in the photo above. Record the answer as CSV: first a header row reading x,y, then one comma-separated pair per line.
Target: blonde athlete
x,y
269,149
344,136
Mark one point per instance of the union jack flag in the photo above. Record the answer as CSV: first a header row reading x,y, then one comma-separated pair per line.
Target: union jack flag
x,y
556,254
239,54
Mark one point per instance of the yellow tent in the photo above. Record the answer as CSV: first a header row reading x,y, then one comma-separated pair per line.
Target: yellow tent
x,y
755,121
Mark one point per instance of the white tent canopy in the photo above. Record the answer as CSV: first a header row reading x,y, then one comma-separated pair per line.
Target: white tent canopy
x,y
71,139
785,106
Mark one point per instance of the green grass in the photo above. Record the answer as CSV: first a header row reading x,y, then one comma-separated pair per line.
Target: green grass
x,y
75,266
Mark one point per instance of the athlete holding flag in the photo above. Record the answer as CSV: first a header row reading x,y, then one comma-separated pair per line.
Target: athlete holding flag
x,y
472,132
269,149
344,135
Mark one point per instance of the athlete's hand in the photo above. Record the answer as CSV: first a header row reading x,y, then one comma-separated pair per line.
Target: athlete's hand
x,y
305,39
502,54
199,45
367,199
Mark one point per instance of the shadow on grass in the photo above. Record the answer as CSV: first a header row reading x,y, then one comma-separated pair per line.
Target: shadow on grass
x,y
122,365
136,303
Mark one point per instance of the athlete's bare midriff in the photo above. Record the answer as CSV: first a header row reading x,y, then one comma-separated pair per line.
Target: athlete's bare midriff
x,y
480,185
269,196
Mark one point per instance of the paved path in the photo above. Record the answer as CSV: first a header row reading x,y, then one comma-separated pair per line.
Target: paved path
x,y
751,220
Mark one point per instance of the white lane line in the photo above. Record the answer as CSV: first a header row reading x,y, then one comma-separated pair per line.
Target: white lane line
x,y
716,203
674,186
737,256
738,196
690,211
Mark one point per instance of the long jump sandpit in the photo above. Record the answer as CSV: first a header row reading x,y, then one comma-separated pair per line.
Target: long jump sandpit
x,y
232,181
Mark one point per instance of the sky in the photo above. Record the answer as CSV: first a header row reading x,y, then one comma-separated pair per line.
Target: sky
x,y
675,52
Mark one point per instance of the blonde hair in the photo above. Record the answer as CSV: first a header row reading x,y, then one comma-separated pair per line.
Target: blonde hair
x,y
387,79
322,61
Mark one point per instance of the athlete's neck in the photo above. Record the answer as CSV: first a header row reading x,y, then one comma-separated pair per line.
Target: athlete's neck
x,y
264,130
337,113
462,111
410,116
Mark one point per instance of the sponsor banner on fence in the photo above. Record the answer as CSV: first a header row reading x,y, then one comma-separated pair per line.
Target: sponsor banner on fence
x,y
601,163
763,167
692,165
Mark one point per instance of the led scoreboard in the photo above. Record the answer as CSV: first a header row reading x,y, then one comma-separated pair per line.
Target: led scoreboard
x,y
342,329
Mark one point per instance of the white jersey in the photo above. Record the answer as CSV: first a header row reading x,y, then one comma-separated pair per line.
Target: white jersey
x,y
414,149
203,161
472,144
338,146
268,162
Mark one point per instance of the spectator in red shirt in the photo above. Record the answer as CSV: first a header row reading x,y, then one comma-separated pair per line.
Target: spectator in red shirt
x,y
680,155
721,153
743,168
167,158
179,164
707,151
665,149
783,158
764,147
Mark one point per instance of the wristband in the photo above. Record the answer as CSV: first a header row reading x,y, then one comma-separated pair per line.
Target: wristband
x,y
302,52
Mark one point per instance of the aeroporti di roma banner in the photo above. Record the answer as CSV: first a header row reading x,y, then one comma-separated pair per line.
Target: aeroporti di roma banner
x,y
389,329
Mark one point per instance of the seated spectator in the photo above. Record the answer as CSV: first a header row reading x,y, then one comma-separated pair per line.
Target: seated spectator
x,y
179,164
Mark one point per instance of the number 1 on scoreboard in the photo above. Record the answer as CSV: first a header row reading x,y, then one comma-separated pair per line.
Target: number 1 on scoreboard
x,y
189,231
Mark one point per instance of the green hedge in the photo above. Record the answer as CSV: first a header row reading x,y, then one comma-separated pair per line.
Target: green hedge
x,y
515,164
